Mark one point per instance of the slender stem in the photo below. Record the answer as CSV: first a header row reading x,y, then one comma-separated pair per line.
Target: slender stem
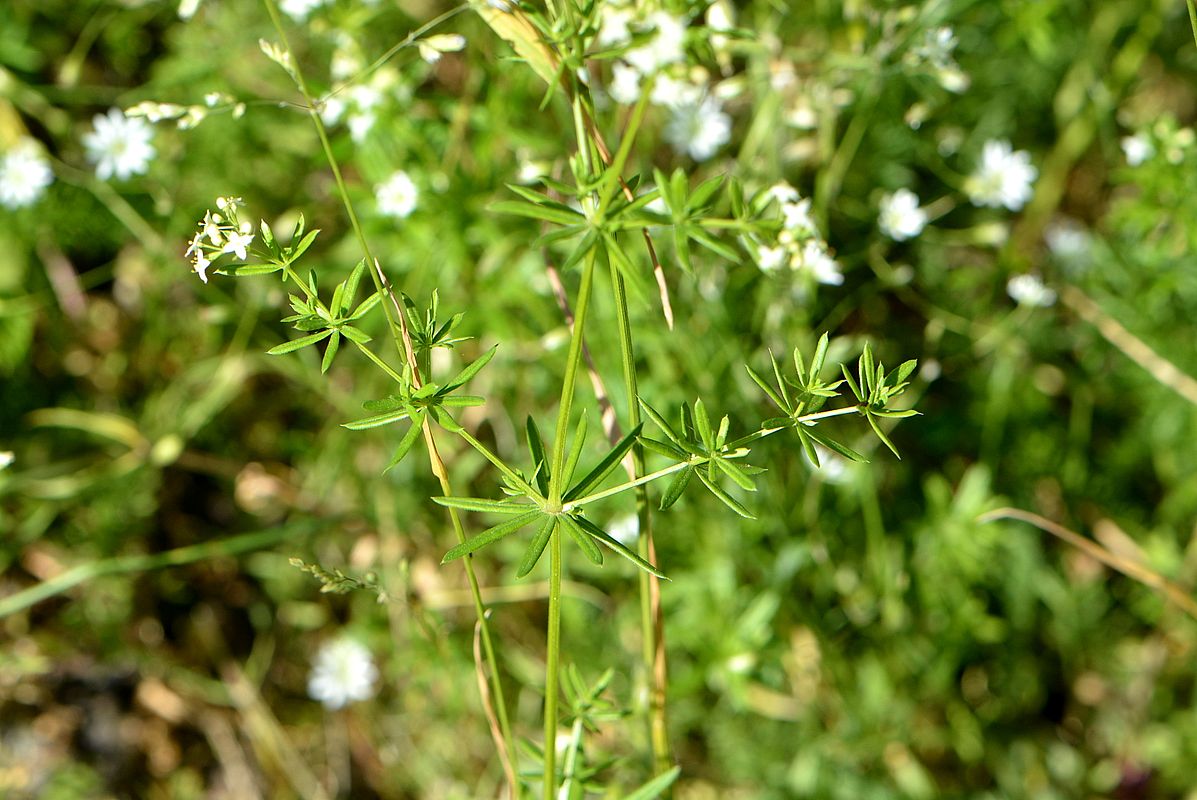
x,y
639,481
652,629
511,474
384,366
402,340
554,651
573,360
569,769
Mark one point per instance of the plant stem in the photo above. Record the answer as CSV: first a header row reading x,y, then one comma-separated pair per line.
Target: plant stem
x,y
652,627
551,666
398,329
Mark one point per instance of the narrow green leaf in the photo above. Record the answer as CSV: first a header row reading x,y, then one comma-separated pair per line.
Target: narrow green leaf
x,y
384,405
808,446
471,369
584,542
656,787
481,504
330,351
536,547
681,245
662,448
463,401
604,538
605,467
768,390
676,487
338,297
406,443
708,241
836,447
556,213
575,451
377,420
355,279
702,195
725,498
660,422
816,362
852,384
295,344
738,476
584,247
536,451
355,335
302,247
256,269
703,423
365,306
881,435
445,420
489,536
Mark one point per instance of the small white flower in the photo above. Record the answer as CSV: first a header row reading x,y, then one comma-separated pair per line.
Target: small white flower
x,y
1137,148
783,192
901,218
832,466
1068,240
237,244
625,84
200,264
666,47
771,259
6,458
1029,290
671,92
397,196
343,673
24,175
432,47
298,10
625,529
937,47
699,129
614,30
797,218
119,146
815,258
1004,177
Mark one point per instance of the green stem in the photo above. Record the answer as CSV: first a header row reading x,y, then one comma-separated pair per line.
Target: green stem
x,y
511,474
651,626
550,677
384,366
402,345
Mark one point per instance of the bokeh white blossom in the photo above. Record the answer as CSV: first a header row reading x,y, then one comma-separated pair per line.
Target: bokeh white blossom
x,y
24,174
119,146
1005,177
397,196
342,673
900,217
1030,290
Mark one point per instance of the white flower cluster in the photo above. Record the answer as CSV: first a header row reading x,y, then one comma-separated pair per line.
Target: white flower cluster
x,y
1004,178
342,673
901,218
119,145
219,232
799,245
1164,138
1029,290
697,124
24,174
397,195
359,102
935,52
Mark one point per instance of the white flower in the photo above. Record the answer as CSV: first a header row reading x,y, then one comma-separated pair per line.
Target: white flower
x,y
625,530
797,218
119,146
432,47
1029,290
770,259
613,31
397,196
666,47
832,466
1068,240
6,458
815,258
1137,148
238,241
298,10
24,175
937,46
782,192
900,217
625,84
343,672
699,129
1004,177
672,92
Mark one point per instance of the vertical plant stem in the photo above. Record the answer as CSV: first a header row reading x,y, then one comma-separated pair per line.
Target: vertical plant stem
x,y
556,488
551,667
652,628
402,340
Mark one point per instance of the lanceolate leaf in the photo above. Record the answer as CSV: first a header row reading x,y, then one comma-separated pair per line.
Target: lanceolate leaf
x,y
406,443
489,536
605,467
483,505
536,547
295,344
330,351
656,787
377,420
726,498
461,378
676,487
604,538
583,541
